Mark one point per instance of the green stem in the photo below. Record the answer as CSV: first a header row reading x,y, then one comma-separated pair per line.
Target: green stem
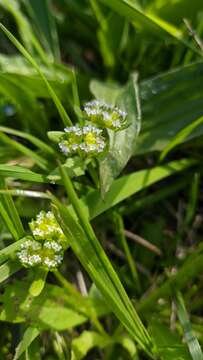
x,y
131,263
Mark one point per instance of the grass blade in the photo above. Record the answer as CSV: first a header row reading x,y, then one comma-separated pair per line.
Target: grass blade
x,y
99,267
21,173
128,185
63,114
11,249
181,137
8,269
29,335
191,340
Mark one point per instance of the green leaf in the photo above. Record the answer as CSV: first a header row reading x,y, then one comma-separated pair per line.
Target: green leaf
x,y
181,136
39,160
29,335
170,102
38,283
8,269
11,249
46,311
122,142
86,341
191,340
128,185
21,173
169,344
34,140
10,214
8,221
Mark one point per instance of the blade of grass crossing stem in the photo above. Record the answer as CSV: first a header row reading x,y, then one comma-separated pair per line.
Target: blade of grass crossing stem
x,y
13,214
18,172
98,250
180,137
39,160
8,269
131,263
11,210
8,222
37,142
97,271
30,59
191,340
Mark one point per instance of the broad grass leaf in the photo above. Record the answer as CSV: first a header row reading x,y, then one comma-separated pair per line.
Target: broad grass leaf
x,y
29,336
122,142
181,136
127,185
170,102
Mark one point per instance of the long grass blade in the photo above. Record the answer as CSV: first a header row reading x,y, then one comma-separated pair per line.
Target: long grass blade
x,y
63,114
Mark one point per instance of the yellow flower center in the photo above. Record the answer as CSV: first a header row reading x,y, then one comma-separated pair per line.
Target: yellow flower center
x,y
90,138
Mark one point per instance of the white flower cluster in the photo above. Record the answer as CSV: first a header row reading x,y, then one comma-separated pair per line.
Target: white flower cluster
x,y
29,253
82,139
105,115
46,227
46,250
48,255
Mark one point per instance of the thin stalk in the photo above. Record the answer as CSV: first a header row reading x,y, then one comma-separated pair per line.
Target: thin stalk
x,y
131,263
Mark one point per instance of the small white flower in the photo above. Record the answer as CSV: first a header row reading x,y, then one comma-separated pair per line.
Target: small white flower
x,y
105,115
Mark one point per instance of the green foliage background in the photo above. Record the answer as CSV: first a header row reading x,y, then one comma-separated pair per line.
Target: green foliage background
x,y
130,286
